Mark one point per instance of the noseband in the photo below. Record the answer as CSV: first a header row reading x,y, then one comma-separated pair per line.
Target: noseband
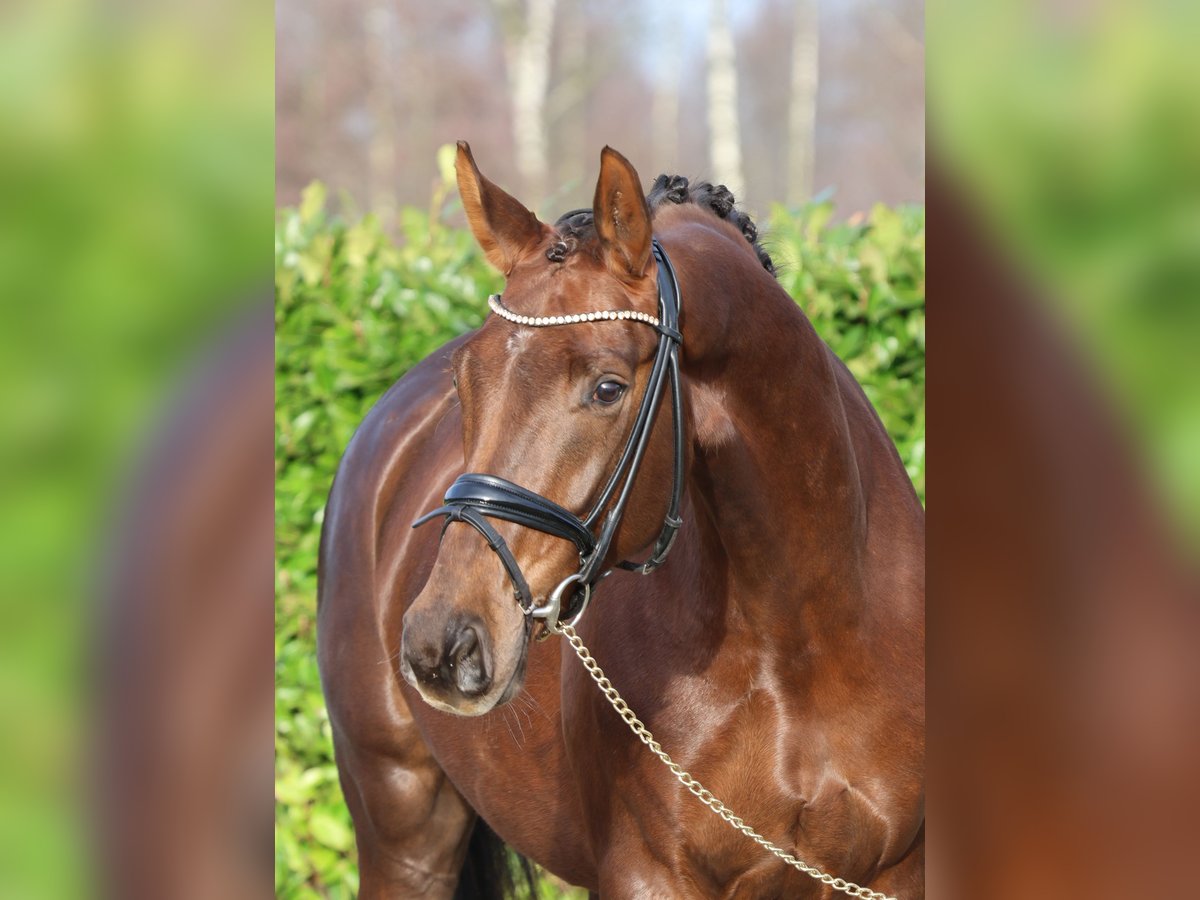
x,y
474,498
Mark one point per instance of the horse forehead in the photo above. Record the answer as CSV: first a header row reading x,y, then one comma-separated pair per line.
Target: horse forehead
x,y
577,284
520,357
517,343
530,351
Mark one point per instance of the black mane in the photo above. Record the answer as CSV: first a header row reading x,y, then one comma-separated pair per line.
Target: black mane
x,y
577,226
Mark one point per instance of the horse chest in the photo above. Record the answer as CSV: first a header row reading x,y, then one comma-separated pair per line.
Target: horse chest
x,y
770,768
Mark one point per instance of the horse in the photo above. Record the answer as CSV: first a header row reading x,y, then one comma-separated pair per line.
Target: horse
x,y
773,642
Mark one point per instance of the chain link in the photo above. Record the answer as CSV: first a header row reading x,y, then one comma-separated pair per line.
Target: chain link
x,y
703,794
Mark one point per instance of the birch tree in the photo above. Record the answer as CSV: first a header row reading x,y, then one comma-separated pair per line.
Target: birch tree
x,y
802,111
664,103
724,136
566,100
381,101
527,29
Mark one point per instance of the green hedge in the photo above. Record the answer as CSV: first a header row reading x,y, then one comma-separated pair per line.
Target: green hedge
x,y
355,309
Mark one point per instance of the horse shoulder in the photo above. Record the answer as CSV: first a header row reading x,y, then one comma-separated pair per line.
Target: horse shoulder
x,y
365,557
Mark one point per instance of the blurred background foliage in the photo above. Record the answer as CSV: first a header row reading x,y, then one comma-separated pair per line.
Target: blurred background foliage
x,y
136,166
356,308
1082,159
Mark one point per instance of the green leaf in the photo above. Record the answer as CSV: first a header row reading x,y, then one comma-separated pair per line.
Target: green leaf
x,y
332,831
312,202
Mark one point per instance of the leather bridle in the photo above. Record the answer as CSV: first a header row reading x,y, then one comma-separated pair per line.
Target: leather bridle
x,y
474,498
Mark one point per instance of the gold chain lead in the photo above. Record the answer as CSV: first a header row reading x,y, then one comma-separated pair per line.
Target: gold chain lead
x,y
703,794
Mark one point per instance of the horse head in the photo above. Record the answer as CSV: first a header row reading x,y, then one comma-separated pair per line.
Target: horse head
x,y
550,409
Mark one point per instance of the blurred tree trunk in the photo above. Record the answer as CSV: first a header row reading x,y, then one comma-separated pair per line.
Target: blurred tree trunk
x,y
725,147
381,103
802,111
528,29
664,103
566,102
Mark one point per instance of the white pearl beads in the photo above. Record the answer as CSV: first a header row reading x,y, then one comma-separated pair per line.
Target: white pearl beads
x,y
542,321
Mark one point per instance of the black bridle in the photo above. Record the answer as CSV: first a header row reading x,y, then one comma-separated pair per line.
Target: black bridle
x,y
474,498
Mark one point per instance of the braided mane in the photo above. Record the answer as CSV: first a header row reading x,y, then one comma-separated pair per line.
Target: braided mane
x,y
577,226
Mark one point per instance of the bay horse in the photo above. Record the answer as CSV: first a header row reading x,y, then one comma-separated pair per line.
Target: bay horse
x,y
777,650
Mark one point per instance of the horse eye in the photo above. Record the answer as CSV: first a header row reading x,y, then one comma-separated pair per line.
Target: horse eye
x,y
608,392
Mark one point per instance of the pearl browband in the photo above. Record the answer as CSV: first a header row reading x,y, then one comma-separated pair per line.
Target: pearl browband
x,y
542,321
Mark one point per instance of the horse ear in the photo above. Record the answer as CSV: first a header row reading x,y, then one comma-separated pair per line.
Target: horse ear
x,y
622,216
503,227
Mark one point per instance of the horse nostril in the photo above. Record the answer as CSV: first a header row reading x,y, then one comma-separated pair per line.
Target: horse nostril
x,y
465,644
420,663
465,664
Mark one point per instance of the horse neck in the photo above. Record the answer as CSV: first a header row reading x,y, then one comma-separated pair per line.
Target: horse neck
x,y
775,484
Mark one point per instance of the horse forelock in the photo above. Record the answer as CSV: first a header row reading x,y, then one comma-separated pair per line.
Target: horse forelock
x,y
577,228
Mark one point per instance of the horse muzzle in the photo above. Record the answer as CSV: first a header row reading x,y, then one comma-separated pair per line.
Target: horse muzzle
x,y
455,664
